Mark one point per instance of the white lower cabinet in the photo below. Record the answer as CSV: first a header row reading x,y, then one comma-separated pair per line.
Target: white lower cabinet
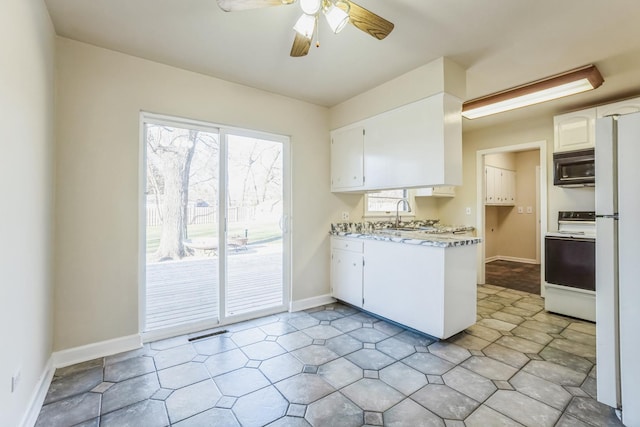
x,y
346,270
427,288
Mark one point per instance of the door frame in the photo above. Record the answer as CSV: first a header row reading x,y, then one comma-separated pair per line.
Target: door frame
x,y
541,202
223,131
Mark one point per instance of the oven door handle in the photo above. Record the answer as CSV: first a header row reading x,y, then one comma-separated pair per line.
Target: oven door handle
x,y
572,238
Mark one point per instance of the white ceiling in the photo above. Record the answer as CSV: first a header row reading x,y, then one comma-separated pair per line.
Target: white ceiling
x,y
501,43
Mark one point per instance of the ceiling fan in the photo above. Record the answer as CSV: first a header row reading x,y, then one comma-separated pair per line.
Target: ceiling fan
x,y
337,12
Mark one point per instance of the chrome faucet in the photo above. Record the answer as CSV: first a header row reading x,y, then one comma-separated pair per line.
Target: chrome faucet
x,y
398,210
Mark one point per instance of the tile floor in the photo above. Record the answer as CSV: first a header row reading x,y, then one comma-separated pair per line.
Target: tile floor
x,y
336,366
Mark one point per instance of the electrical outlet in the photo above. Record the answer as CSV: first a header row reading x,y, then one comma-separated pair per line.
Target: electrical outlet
x,y
345,216
520,209
15,380
529,210
468,211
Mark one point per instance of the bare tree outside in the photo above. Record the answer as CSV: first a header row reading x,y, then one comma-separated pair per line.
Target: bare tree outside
x,y
170,154
183,188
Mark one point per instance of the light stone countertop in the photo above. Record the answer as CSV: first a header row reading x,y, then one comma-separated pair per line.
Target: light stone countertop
x,y
419,238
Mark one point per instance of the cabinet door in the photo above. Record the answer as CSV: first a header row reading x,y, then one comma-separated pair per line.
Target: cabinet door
x,y
415,145
574,131
621,107
346,276
508,187
493,185
489,192
499,186
511,176
347,159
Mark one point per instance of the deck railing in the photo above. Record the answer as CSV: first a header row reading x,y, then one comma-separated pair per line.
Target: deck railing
x,y
204,214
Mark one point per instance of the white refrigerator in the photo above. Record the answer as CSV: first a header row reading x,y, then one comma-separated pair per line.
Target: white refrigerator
x,y
618,264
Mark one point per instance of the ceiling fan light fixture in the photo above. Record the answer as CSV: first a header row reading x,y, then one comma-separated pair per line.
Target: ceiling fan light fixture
x,y
337,18
305,25
310,7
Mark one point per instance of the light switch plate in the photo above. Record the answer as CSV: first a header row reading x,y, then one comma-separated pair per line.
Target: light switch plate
x,y
529,210
520,209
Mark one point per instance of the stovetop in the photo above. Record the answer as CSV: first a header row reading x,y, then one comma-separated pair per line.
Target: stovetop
x,y
577,216
576,224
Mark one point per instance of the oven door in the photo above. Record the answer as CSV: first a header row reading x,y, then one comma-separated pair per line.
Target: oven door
x,y
571,261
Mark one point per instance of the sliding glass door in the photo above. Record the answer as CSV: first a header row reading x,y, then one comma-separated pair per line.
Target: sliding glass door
x,y
255,238
215,204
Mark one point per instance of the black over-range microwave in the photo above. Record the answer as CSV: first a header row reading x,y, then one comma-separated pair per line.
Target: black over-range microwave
x,y
574,168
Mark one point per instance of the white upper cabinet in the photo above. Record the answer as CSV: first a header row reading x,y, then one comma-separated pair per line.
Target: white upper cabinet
x,y
510,191
442,191
575,131
621,107
347,161
416,145
500,186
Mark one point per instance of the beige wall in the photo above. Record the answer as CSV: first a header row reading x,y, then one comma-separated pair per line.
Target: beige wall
x,y
440,75
519,132
508,233
501,160
101,94
27,86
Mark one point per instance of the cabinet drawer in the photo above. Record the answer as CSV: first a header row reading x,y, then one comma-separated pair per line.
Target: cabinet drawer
x,y
351,245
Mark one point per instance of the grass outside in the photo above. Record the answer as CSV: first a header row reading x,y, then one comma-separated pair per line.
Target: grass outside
x,y
256,232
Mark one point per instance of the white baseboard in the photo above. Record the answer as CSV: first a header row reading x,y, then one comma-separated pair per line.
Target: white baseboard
x,y
83,353
511,258
312,302
39,393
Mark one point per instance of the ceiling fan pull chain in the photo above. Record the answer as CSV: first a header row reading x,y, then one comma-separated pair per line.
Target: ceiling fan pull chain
x,y
317,32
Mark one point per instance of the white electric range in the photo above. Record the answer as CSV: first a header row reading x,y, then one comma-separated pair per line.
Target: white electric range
x,y
570,280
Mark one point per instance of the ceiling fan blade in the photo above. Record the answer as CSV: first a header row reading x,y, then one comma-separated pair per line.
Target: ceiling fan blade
x,y
235,5
301,46
369,22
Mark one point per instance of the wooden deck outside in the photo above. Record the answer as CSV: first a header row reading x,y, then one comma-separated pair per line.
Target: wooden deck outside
x,y
186,291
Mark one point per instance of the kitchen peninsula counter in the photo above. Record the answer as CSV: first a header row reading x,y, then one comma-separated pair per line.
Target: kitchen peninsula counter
x,y
426,281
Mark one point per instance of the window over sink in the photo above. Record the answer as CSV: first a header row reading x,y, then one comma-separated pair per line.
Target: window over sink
x,y
384,203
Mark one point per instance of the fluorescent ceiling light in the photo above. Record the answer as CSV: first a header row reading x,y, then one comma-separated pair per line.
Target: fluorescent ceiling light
x,y
564,84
